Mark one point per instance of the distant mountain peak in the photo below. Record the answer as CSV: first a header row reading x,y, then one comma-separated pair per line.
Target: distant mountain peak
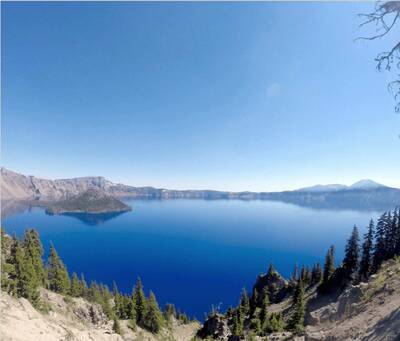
x,y
366,184
324,188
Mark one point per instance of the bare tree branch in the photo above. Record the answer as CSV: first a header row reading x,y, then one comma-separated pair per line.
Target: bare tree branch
x,y
385,16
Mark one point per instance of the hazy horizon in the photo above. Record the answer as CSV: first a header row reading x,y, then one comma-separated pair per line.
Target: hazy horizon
x,y
223,96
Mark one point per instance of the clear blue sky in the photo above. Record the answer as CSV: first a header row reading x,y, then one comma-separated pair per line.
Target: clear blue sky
x,y
238,96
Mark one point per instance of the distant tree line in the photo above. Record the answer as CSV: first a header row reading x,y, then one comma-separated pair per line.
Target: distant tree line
x,y
23,273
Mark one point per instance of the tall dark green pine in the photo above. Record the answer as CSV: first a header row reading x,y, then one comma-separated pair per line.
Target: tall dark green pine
x,y
33,248
297,321
57,272
153,320
83,288
75,289
140,302
352,253
253,301
27,283
316,274
329,266
264,308
397,233
295,275
379,253
391,239
244,303
366,256
237,324
7,265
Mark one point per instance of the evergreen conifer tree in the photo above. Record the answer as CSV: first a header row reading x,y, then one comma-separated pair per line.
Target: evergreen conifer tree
x,y
316,275
244,302
170,312
75,289
297,321
26,280
57,272
237,324
350,261
366,257
329,266
153,320
140,302
33,248
83,288
379,253
7,265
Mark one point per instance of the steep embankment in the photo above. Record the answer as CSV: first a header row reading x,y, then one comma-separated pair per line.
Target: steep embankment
x,y
72,319
368,311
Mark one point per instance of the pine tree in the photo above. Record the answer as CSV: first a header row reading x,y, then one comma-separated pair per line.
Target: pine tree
x,y
244,303
75,289
83,288
140,302
237,324
264,306
7,266
366,257
118,304
33,248
255,325
153,320
58,275
316,275
350,261
379,253
397,233
170,312
253,301
297,321
295,275
26,280
329,266
276,323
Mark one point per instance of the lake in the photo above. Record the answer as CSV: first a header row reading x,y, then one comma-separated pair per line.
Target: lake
x,y
193,253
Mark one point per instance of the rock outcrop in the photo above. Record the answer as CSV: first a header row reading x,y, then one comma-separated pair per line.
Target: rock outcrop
x,y
277,286
216,327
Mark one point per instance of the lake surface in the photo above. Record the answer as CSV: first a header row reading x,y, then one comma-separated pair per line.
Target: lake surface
x,y
193,253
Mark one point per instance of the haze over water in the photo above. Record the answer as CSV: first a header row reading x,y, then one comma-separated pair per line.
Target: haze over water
x,y
193,253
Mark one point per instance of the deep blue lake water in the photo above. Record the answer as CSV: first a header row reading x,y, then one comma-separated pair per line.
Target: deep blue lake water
x,y
193,253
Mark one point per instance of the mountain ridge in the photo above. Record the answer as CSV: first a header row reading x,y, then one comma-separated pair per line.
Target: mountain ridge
x,y
363,194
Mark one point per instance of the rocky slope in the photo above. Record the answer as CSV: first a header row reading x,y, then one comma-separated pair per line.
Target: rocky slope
x,y
366,312
72,319
16,186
